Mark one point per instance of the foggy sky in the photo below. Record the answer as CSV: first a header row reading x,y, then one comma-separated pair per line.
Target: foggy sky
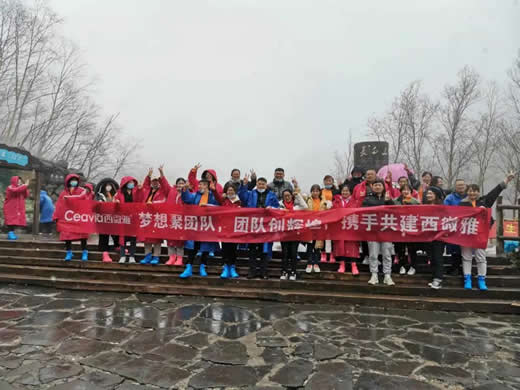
x,y
268,83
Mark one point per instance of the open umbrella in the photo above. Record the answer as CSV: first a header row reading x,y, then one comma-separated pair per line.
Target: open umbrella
x,y
398,170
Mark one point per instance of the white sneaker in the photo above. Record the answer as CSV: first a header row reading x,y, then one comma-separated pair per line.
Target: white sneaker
x,y
411,271
284,276
388,280
436,284
366,261
308,269
374,279
402,271
132,260
122,260
317,268
293,276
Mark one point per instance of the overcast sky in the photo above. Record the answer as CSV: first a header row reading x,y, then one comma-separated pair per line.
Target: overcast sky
x,y
267,83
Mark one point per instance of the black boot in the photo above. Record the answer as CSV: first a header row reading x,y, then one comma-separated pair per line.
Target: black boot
x,y
263,267
252,269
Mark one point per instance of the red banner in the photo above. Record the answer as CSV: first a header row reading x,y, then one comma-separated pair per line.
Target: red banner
x,y
465,226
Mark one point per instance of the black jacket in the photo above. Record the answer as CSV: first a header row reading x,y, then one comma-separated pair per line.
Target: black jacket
x,y
372,200
352,183
487,200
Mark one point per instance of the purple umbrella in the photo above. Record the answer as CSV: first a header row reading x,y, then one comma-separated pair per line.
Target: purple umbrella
x,y
398,170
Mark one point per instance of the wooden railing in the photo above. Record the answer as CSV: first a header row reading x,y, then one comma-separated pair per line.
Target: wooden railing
x,y
500,225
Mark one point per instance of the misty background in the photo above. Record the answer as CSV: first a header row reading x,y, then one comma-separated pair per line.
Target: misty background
x,y
262,84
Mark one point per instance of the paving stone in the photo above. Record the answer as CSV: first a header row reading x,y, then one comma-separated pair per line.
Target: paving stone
x,y
175,352
492,386
31,301
226,313
12,315
197,340
271,342
83,347
372,381
275,312
26,374
127,385
290,326
187,312
274,356
234,332
146,341
150,372
293,374
46,337
108,361
331,376
326,351
77,385
304,350
43,318
447,374
10,362
102,379
226,352
61,304
10,337
7,386
224,376
59,371
504,370
114,336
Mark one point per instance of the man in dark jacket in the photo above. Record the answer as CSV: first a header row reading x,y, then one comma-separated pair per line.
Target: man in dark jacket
x,y
379,197
236,181
474,200
279,184
355,178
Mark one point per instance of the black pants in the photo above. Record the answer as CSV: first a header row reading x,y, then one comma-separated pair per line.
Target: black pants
x,y
313,253
10,228
289,256
104,240
191,256
255,253
436,252
400,248
364,249
131,247
46,227
68,244
229,252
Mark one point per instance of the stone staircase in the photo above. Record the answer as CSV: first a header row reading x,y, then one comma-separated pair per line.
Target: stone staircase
x,y
41,263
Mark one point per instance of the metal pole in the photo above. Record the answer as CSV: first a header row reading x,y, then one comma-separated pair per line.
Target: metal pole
x,y
500,227
36,213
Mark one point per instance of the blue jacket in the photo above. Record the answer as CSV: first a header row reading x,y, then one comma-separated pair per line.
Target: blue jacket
x,y
453,199
250,198
194,198
46,207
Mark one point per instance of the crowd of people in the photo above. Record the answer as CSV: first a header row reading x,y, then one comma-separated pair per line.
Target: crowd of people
x,y
361,189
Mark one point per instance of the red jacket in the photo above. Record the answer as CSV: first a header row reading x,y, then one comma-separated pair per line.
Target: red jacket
x,y
136,192
174,196
396,192
192,179
341,203
228,202
70,193
90,195
160,195
360,191
14,205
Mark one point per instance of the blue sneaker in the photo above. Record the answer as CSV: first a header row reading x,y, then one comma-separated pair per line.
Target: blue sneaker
x,y
155,260
199,254
467,282
225,272
84,255
211,254
11,236
202,271
187,272
69,256
481,281
233,272
147,259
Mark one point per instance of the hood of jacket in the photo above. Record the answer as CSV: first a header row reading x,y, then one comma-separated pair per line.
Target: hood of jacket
x,y
69,177
90,186
212,172
127,179
101,185
357,169
14,181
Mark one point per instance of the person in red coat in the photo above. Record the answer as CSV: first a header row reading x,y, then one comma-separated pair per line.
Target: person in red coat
x,y
176,247
345,250
89,187
129,192
229,199
72,190
154,191
209,174
14,206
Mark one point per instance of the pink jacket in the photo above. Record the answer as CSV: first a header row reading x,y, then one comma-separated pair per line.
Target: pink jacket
x,y
14,205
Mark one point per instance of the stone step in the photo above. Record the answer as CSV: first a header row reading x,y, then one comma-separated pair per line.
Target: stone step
x,y
59,246
280,295
359,286
493,269
505,281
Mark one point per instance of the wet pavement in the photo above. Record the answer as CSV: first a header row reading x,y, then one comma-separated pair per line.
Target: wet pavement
x,y
67,340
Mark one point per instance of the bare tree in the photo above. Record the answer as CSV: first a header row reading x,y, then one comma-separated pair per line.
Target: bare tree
x,y
344,161
452,145
487,133
391,127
